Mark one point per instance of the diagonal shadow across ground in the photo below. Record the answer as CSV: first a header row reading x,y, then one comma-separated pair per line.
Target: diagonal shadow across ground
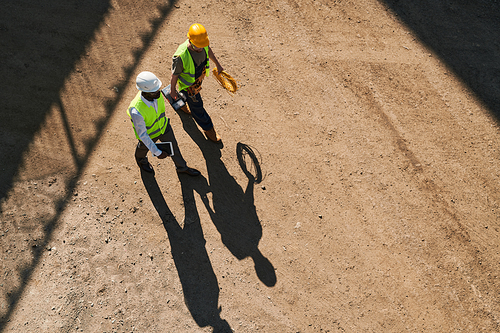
x,y
43,44
465,35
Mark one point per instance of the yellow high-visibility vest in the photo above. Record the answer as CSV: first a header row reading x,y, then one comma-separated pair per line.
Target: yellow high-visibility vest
x,y
187,77
156,124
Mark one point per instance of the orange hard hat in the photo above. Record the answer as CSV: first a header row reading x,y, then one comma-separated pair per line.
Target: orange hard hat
x,y
197,35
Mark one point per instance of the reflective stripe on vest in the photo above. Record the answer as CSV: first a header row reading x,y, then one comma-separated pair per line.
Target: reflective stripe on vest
x,y
187,77
156,124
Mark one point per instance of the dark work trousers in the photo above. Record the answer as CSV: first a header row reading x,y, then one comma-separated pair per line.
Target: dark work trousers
x,y
141,150
198,112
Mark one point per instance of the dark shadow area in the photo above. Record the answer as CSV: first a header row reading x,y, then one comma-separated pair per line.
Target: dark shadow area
x,y
37,35
465,35
199,283
233,213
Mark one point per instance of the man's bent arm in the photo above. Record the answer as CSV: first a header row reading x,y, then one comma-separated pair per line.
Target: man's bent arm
x,y
212,57
140,127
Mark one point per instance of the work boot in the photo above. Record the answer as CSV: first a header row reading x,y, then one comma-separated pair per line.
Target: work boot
x,y
212,135
190,171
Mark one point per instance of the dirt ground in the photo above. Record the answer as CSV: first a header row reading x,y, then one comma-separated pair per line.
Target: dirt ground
x,y
356,189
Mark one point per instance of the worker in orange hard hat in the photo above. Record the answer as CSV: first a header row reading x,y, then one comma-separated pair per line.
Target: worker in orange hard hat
x,y
190,65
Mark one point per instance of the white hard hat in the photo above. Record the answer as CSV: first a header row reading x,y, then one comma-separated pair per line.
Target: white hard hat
x,y
147,82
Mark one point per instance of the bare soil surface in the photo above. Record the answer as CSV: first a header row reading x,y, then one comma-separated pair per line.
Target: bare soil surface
x,y
356,189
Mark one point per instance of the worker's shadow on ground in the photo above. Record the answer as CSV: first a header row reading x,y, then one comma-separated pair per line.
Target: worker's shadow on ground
x,y
233,212
199,283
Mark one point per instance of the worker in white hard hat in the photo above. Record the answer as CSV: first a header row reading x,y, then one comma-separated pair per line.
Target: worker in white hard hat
x,y
147,112
190,65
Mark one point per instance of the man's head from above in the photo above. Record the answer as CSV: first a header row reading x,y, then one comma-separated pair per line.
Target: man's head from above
x,y
198,37
149,84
